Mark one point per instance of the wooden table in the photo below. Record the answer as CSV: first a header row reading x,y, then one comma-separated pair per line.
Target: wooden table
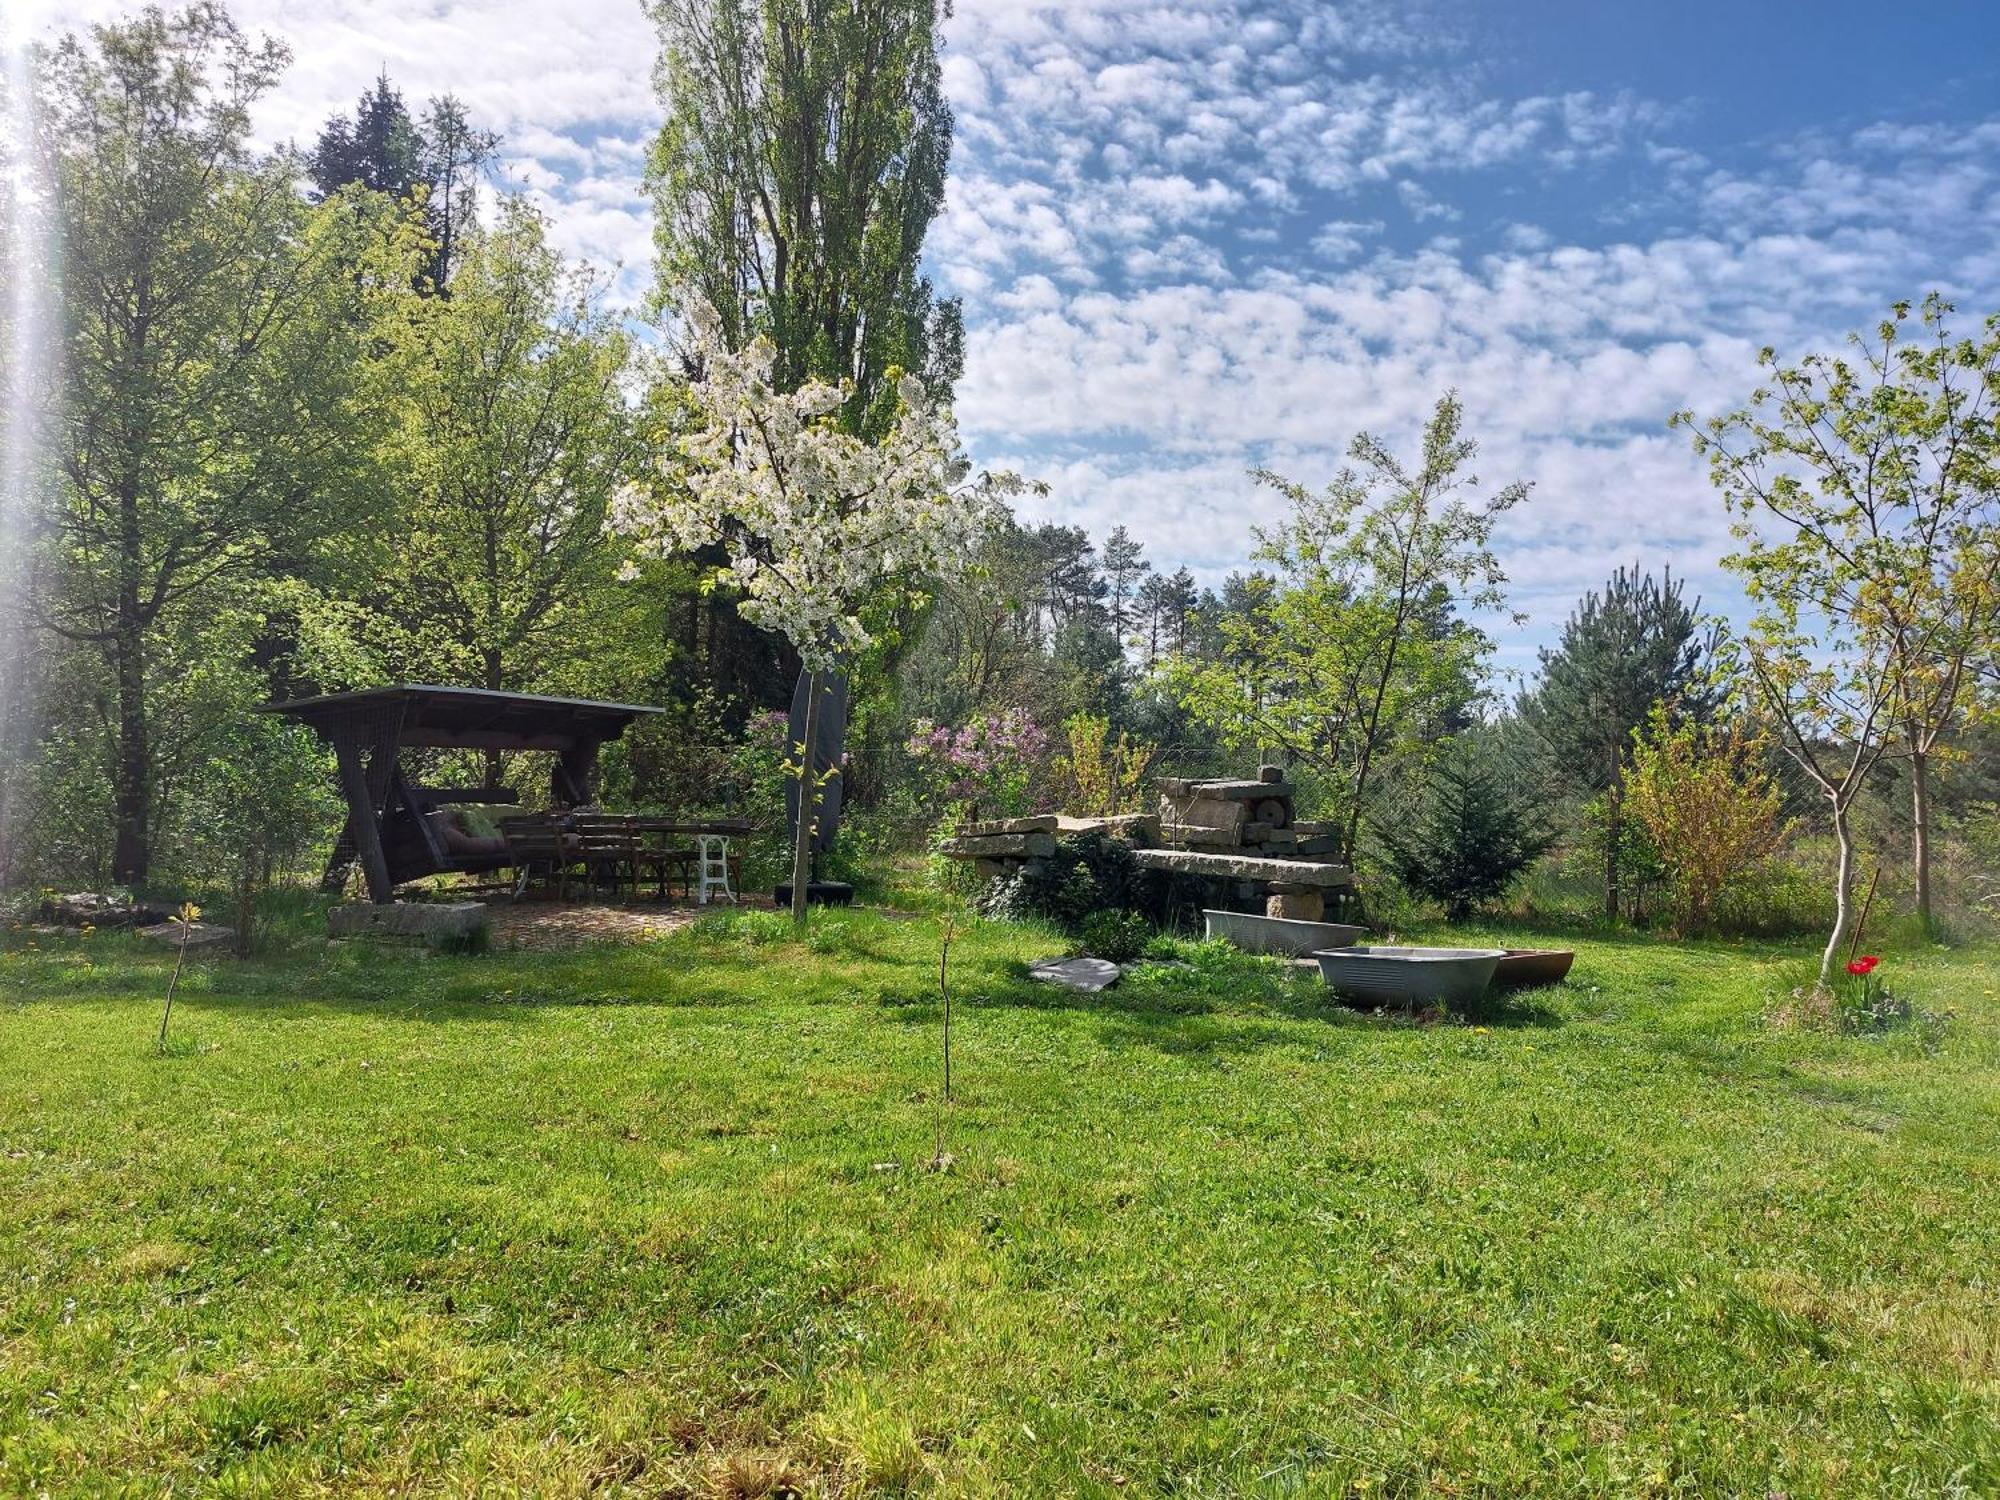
x,y
662,828
726,827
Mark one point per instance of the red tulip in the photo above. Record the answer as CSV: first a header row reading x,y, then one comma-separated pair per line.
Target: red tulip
x,y
1856,966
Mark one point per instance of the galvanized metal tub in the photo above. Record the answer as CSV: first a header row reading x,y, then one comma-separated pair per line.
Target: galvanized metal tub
x,y
1286,936
1398,976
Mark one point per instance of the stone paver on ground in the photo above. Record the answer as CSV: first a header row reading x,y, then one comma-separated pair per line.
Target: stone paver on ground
x,y
1086,974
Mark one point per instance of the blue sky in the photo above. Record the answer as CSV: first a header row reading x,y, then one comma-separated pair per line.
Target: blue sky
x,y
1199,236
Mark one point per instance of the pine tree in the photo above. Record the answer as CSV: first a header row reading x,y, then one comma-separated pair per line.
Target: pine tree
x,y
384,150
379,148
1072,589
1152,609
1637,644
1177,603
1125,568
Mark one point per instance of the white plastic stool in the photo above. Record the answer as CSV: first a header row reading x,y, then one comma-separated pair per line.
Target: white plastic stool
x,y
713,850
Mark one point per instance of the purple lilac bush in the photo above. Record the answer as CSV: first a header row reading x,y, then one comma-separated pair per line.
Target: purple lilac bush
x,y
993,760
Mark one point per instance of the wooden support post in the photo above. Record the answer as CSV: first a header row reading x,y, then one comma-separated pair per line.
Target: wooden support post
x,y
364,822
574,778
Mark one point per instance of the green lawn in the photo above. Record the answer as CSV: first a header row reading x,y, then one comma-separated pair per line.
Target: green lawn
x,y
655,1221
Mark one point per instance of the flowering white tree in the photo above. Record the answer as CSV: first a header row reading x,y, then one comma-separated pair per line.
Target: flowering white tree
x,y
816,522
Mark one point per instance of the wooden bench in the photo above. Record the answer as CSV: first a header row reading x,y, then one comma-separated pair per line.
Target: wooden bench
x,y
536,844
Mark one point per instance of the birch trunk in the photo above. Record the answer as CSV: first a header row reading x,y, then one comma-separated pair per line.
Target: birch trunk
x,y
1920,834
1843,889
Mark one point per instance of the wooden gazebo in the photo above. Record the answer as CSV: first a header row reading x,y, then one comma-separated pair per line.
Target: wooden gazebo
x,y
390,827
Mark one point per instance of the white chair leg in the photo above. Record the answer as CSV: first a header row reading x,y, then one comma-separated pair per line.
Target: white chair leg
x,y
714,856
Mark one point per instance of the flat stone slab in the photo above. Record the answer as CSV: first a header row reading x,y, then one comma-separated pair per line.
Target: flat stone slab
x,y
433,923
90,909
1122,825
1003,846
1086,974
1242,867
1038,823
1223,790
199,934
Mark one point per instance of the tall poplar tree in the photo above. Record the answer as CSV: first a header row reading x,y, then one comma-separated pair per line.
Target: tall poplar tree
x,y
801,164
799,169
1636,644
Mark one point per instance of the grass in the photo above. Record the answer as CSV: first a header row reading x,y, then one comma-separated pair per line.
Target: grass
x,y
654,1221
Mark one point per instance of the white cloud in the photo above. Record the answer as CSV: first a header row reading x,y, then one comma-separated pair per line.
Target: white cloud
x,y
570,93
1143,406
1191,237
1191,111
1421,204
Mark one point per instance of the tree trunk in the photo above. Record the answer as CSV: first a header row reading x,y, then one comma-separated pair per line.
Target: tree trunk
x,y
808,805
246,910
1843,888
1353,835
491,771
1614,827
1920,834
132,779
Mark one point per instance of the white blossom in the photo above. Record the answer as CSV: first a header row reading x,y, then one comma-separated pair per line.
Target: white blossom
x,y
814,520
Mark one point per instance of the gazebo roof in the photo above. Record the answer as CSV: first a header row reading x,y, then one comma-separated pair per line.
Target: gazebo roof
x,y
461,718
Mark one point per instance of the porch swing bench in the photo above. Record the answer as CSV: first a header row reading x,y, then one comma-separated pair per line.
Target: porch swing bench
x,y
399,831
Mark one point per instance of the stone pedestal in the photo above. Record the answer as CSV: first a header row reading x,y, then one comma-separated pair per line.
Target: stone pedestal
x,y
1309,906
459,924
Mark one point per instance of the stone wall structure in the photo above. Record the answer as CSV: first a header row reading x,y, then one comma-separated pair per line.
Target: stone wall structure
x,y
1239,833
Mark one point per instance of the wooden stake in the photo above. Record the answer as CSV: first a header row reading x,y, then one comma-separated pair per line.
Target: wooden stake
x,y
1854,943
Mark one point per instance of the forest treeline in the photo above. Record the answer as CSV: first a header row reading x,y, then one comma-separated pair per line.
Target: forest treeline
x,y
329,416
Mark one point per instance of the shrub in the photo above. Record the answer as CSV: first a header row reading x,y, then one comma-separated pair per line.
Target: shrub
x,y
1116,936
1101,775
1641,875
1470,836
990,762
1777,898
1087,873
1708,806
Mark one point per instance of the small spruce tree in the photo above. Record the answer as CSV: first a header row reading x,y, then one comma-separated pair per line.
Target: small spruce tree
x,y
1471,834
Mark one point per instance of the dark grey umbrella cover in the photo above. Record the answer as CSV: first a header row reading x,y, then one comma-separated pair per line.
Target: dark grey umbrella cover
x,y
832,742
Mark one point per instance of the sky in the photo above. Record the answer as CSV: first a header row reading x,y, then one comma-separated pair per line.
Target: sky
x,y
1195,238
